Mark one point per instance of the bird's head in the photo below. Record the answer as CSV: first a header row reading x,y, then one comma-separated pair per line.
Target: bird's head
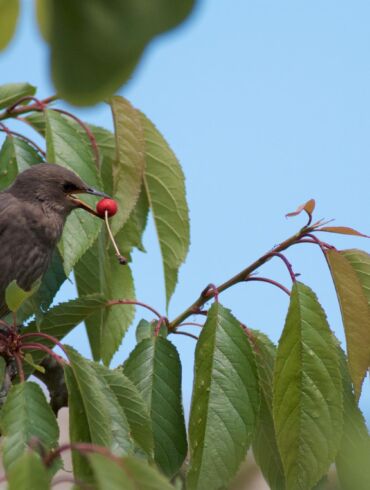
x,y
55,187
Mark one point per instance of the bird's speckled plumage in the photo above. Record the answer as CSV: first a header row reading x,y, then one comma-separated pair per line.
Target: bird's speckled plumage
x,y
32,215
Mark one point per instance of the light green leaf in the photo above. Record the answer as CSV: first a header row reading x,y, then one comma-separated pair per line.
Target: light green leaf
x,y
15,296
69,148
28,473
154,368
12,92
99,271
15,156
127,473
107,149
164,184
307,403
37,121
43,17
353,458
128,168
9,10
351,283
110,37
264,443
26,414
224,404
143,330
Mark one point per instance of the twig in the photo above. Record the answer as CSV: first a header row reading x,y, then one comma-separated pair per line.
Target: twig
x,y
28,108
240,277
114,302
187,334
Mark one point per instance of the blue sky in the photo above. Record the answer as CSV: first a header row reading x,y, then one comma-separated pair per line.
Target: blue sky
x,y
266,104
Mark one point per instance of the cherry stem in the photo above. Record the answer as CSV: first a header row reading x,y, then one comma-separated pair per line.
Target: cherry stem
x,y
43,348
46,336
88,132
19,367
121,259
270,281
162,321
210,290
24,138
187,334
69,479
114,302
318,241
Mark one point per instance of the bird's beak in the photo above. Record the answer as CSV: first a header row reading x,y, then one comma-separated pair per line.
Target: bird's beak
x,y
80,204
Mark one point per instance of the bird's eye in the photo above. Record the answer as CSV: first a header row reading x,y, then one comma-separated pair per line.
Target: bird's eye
x,y
69,187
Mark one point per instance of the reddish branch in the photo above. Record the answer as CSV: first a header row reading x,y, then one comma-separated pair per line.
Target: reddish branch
x,y
269,281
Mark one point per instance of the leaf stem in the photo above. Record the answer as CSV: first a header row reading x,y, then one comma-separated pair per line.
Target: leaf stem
x,y
39,105
114,302
270,281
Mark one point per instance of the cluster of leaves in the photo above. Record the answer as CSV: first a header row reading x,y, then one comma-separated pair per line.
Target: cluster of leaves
x,y
110,36
295,403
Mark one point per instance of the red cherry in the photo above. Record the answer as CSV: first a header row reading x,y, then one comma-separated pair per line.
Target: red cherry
x,y
108,205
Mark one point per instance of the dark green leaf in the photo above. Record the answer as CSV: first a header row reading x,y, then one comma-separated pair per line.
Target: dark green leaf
x,y
128,168
353,458
127,473
28,473
225,401
353,300
99,271
164,184
110,37
68,147
12,92
307,404
154,367
264,443
26,414
107,423
15,156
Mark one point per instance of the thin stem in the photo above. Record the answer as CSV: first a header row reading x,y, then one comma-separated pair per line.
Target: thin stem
x,y
88,132
240,277
318,241
69,479
81,447
270,281
114,302
19,367
190,324
46,336
28,108
286,262
24,138
43,348
187,334
162,321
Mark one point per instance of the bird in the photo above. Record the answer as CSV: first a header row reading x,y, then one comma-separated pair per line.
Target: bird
x,y
33,211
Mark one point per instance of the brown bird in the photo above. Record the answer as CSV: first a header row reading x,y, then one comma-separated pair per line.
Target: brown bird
x,y
33,211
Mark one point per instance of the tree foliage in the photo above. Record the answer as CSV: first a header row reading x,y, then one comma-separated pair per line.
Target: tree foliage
x,y
295,405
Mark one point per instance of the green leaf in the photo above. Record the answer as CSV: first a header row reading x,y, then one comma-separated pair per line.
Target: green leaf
x,y
225,401
62,318
107,149
350,283
143,330
16,155
12,92
127,473
264,442
43,17
128,168
110,37
28,473
69,148
307,403
15,296
133,406
353,458
99,271
26,414
130,235
9,11
164,184
107,424
37,121
154,368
